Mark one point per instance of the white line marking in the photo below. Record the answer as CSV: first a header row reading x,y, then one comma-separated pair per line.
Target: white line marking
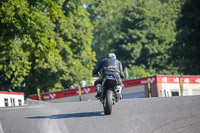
x,y
1,128
23,107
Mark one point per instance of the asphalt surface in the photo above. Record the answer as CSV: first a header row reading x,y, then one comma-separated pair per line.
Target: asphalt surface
x,y
139,115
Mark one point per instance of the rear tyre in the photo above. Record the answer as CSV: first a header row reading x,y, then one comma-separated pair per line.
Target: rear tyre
x,y
108,102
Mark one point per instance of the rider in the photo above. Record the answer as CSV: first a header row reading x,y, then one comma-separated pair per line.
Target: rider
x,y
109,65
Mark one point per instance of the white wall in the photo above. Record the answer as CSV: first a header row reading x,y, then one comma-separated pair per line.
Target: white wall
x,y
188,89
167,88
9,97
193,89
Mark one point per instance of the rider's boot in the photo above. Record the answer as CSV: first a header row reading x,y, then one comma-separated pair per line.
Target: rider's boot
x,y
119,90
99,90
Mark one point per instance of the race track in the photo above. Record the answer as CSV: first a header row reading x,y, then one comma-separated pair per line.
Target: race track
x,y
141,115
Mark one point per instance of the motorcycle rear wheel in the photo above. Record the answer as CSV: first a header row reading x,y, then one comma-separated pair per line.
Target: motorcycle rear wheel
x,y
108,102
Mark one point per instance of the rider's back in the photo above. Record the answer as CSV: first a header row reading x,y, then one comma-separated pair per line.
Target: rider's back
x,y
110,64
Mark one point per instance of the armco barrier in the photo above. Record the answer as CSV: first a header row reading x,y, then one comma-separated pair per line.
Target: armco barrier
x,y
128,83
65,93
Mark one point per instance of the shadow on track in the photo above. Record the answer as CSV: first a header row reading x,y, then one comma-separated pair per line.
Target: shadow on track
x,y
73,115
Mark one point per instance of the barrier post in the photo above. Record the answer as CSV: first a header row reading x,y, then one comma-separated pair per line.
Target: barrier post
x,y
79,88
149,87
38,92
181,85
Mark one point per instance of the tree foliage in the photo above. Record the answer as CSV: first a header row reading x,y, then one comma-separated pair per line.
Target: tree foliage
x,y
146,36
141,35
44,44
135,72
49,44
106,17
186,50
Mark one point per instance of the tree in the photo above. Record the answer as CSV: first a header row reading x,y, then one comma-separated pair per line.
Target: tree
x,y
76,33
145,37
44,44
186,50
106,17
140,32
137,72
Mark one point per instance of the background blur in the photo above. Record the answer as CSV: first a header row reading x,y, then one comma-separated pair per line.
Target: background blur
x,y
55,44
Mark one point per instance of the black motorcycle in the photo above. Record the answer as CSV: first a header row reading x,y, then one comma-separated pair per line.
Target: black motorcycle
x,y
111,93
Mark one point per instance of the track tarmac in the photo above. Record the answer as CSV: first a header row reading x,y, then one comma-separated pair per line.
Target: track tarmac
x,y
140,115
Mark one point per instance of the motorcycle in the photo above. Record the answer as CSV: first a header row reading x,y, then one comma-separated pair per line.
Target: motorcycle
x,y
111,93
